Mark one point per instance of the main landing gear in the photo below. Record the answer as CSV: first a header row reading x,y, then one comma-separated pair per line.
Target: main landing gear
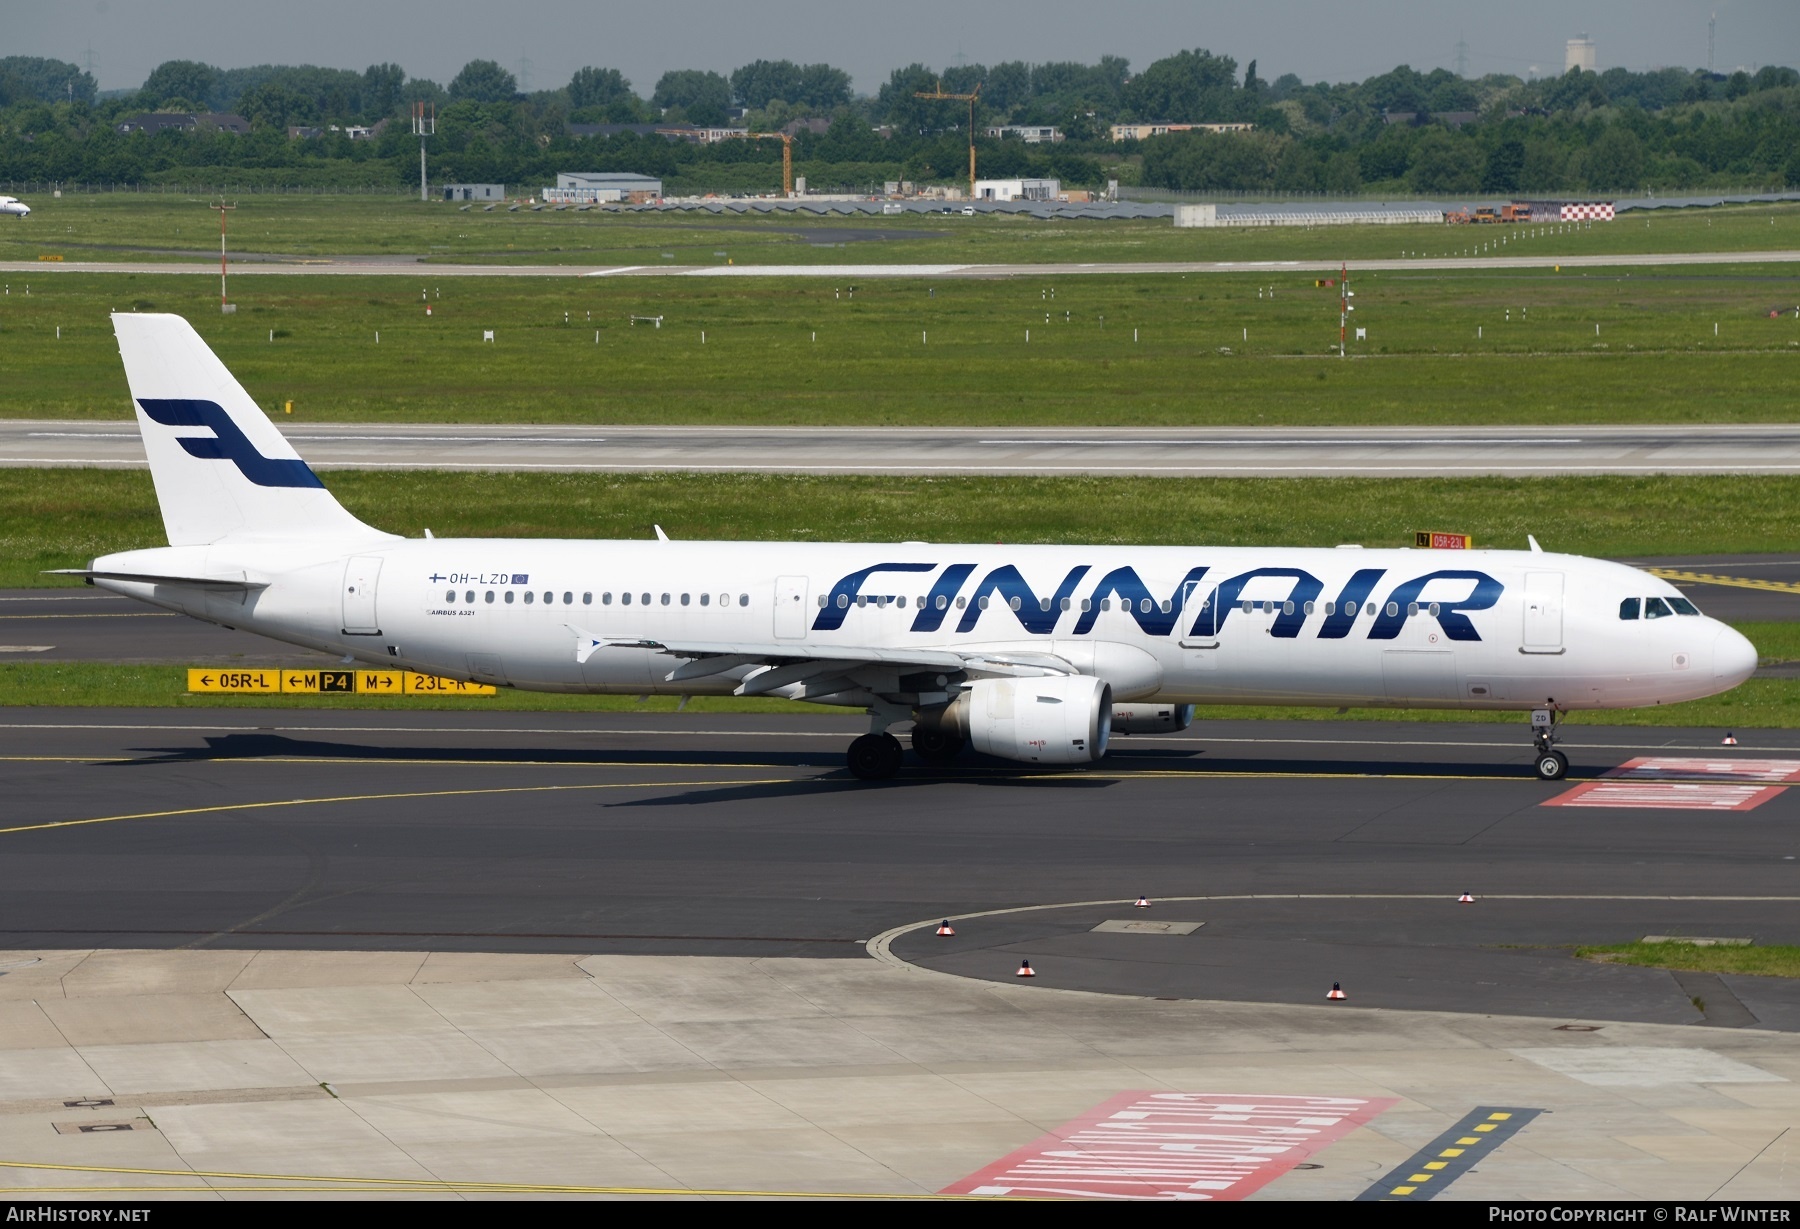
x,y
1549,764
874,757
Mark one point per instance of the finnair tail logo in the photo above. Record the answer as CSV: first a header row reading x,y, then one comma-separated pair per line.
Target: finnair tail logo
x,y
229,443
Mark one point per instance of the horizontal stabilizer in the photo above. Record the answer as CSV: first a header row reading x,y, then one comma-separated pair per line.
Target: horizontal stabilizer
x,y
202,582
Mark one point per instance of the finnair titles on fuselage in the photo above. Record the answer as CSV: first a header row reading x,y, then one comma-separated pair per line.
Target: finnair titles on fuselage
x,y
1030,653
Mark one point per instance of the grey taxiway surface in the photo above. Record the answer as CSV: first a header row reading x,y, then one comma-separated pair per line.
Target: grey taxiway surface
x,y
1174,452
1311,852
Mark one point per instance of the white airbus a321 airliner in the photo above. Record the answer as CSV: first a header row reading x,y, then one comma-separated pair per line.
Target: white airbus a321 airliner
x,y
1030,653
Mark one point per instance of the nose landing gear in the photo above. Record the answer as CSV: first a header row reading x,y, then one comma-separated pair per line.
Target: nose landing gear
x,y
1550,764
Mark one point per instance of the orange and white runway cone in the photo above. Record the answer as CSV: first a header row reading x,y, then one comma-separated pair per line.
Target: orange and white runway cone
x,y
1337,993
1025,969
1730,740
1464,899
945,928
1143,902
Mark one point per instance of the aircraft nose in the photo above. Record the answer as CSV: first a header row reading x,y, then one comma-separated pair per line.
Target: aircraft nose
x,y
1734,657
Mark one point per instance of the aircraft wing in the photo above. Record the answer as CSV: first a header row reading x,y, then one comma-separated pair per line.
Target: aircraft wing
x,y
779,664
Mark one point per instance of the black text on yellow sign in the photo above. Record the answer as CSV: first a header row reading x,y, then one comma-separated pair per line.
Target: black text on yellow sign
x,y
330,682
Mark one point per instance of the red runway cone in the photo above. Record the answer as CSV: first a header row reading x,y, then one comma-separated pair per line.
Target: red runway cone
x,y
1464,899
1143,902
1337,992
945,929
1025,969
1730,740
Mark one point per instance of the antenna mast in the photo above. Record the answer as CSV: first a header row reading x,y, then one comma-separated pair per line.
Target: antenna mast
x,y
424,125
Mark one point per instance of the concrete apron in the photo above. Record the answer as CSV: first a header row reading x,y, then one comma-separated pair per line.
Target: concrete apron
x,y
189,1074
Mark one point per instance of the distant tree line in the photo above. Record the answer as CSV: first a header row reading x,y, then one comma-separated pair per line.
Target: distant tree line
x,y
1433,133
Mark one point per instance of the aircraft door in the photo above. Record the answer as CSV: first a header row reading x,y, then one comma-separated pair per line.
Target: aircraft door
x,y
790,608
1543,612
1198,629
361,576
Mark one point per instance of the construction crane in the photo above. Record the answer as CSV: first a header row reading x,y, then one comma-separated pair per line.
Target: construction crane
x,y
787,155
938,95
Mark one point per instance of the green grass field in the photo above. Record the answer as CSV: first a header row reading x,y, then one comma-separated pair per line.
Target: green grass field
x,y
1773,960
1515,347
63,518
131,225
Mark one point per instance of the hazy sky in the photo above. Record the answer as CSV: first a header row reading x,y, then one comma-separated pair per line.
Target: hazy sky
x,y
550,39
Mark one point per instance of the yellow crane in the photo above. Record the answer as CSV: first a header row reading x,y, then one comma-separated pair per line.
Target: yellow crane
x,y
938,95
787,156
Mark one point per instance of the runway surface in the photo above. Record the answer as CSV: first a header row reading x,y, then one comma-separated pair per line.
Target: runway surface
x,y
364,266
1396,452
1321,851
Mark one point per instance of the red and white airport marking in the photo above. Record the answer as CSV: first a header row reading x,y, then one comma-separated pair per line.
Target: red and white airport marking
x,y
1173,1146
1660,783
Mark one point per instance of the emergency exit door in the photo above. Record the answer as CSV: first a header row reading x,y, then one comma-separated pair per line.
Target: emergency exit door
x,y
1543,612
361,577
790,607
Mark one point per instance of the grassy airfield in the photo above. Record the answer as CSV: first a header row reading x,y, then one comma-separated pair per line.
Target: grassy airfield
x,y
1678,344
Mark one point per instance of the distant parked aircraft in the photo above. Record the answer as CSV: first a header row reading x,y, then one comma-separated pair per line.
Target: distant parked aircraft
x,y
14,206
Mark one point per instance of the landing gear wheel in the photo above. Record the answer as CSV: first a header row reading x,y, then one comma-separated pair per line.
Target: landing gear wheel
x,y
935,746
874,757
1552,766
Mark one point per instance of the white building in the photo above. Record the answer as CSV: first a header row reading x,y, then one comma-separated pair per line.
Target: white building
x,y
1580,54
601,188
474,192
1017,189
1031,134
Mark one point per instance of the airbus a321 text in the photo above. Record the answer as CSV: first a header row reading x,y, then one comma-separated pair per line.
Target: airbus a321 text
x,y
1037,654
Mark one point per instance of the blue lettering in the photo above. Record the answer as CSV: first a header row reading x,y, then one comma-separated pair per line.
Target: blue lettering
x,y
1039,615
1339,622
832,617
1450,617
1153,617
1287,626
931,617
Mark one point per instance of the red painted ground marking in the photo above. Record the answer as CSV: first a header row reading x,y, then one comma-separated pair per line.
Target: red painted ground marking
x,y
1173,1145
1724,768
1667,795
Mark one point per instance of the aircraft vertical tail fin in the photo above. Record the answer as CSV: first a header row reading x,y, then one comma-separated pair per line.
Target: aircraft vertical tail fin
x,y
220,466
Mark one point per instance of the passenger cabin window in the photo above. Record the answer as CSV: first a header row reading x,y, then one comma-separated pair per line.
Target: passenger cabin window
x,y
450,597
587,599
1628,609
509,597
706,599
624,599
743,599
469,597
1656,608
1683,606
490,597
528,596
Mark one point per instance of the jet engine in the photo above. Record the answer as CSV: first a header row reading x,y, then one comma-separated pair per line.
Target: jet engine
x,y
1151,718
1062,719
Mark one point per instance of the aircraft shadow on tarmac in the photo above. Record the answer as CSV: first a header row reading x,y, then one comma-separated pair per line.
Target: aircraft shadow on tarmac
x,y
975,770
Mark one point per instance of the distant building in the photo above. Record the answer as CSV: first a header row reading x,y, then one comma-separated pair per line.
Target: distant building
x,y
674,132
185,121
301,132
818,126
1579,54
474,192
1138,132
1031,134
1017,189
603,188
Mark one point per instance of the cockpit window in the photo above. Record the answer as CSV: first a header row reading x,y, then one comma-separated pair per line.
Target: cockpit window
x,y
1683,606
1656,608
1628,609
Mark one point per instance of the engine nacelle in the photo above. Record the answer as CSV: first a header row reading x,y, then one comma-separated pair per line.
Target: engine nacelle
x,y
1062,719
1151,718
